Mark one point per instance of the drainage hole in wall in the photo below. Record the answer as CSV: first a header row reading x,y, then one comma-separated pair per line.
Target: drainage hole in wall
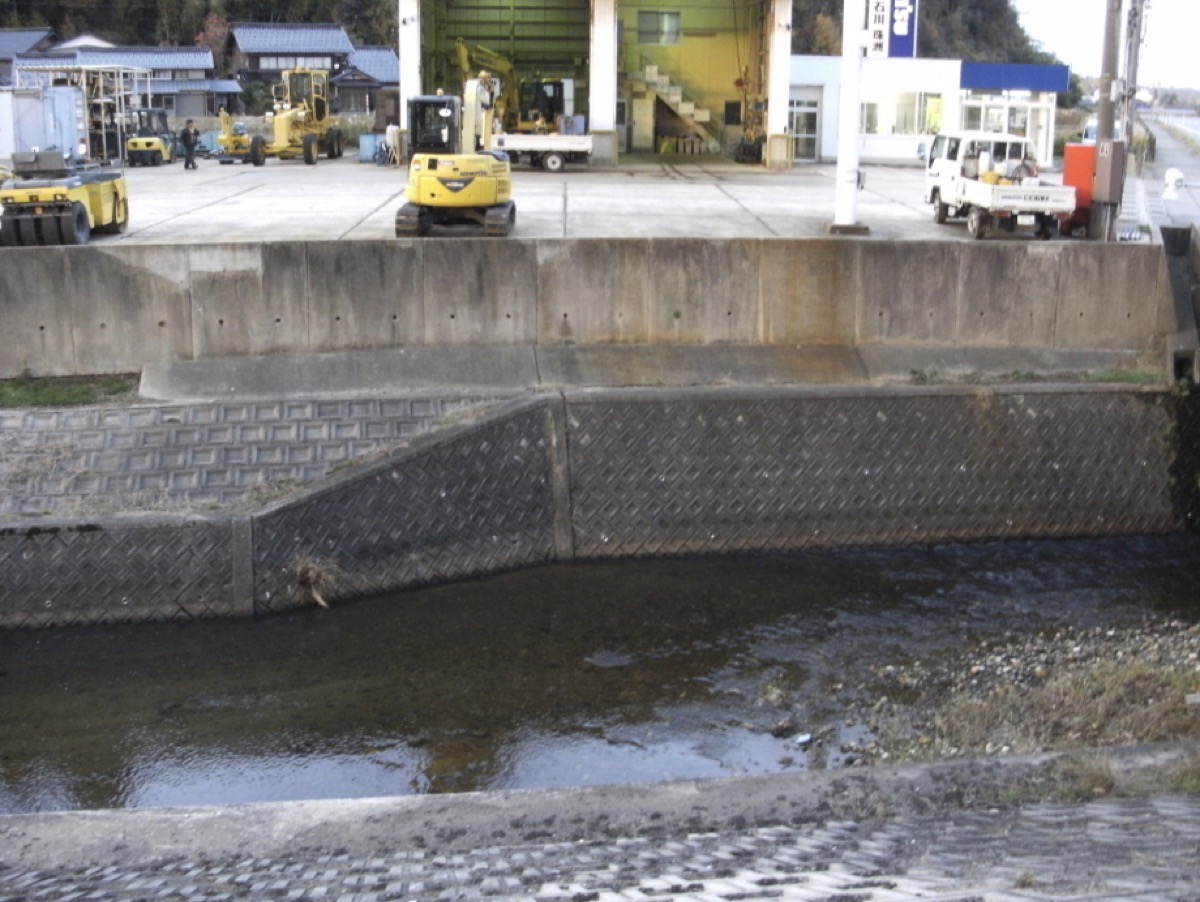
x,y
678,315
161,323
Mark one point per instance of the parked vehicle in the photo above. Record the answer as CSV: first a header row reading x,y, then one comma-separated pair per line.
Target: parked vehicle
x,y
551,152
302,124
1092,130
48,201
151,142
455,177
993,180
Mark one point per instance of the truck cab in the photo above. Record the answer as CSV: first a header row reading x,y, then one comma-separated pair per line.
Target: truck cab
x,y
972,155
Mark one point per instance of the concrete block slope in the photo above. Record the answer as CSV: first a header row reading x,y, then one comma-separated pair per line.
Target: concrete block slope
x,y
187,457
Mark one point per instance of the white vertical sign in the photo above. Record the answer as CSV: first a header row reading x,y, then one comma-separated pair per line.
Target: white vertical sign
x,y
878,15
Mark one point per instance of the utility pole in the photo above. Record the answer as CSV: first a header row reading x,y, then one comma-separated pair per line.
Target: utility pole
x,y
1134,33
1101,224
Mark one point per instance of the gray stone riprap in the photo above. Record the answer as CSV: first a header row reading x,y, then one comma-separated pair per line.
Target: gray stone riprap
x,y
231,455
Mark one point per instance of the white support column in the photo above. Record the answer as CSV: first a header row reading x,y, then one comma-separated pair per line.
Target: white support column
x,y
845,212
778,155
410,55
602,82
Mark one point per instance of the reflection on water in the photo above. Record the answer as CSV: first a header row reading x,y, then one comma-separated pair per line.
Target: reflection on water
x,y
562,676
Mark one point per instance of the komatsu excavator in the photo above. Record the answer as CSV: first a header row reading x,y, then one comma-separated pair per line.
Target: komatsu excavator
x,y
454,175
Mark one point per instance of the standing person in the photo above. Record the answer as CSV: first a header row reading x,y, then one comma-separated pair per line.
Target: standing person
x,y
189,137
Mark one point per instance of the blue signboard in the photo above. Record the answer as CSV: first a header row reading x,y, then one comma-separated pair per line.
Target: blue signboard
x,y
902,28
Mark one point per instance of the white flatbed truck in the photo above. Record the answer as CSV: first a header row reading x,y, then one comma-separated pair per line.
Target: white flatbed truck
x,y
992,179
550,152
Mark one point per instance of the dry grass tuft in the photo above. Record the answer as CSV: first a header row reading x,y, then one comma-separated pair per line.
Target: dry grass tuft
x,y
1108,703
319,576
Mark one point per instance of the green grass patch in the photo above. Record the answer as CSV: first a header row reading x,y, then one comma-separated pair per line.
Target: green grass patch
x,y
66,391
1123,377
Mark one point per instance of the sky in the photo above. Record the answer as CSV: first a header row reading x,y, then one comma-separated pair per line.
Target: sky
x,y
1073,30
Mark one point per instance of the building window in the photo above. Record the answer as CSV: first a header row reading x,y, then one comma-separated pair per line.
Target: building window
x,y
903,114
658,27
280,63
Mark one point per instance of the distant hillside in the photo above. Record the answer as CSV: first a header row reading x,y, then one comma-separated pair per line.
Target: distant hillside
x,y
973,30
977,30
949,29
178,22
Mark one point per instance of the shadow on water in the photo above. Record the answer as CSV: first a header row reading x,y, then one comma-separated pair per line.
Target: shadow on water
x,y
561,676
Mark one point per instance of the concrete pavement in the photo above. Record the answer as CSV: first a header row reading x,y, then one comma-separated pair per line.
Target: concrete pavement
x,y
645,196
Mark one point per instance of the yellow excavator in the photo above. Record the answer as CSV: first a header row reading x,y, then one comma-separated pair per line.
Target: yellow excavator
x,y
522,105
454,176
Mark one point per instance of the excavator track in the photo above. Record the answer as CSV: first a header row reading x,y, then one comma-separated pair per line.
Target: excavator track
x,y
411,221
498,221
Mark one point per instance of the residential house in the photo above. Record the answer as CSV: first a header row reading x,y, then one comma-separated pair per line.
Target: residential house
x,y
15,41
261,52
181,80
370,84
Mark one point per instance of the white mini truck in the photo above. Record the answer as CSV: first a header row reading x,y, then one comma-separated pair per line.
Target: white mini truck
x,y
993,180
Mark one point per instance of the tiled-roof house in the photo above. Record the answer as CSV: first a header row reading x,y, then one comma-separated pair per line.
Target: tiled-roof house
x,y
259,52
15,41
182,80
370,83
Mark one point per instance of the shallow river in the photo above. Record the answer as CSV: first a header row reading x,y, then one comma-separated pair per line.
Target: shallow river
x,y
560,676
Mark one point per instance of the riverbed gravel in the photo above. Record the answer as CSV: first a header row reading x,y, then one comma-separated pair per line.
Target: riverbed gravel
x,y
1144,678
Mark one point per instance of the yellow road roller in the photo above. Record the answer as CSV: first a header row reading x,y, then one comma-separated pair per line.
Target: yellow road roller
x,y
48,202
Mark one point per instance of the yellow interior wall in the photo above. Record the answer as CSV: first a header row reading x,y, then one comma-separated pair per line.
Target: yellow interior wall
x,y
715,44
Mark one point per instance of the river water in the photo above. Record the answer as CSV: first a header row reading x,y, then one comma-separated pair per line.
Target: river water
x,y
567,675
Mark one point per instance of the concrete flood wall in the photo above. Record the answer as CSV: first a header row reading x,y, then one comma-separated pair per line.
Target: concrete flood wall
x,y
612,474
109,308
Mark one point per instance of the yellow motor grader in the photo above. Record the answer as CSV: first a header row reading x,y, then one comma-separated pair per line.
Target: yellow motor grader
x,y
454,175
301,124
47,202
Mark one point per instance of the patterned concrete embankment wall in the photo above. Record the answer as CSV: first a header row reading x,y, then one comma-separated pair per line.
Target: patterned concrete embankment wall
x,y
593,475
99,309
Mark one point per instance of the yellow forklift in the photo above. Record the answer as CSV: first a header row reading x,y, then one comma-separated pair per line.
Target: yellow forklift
x,y
455,178
48,202
151,141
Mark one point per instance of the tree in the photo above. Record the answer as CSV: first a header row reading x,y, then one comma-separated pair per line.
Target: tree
x,y
166,31
827,36
214,34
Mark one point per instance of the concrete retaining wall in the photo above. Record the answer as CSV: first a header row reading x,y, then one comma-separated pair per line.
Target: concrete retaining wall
x,y
607,474
116,308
